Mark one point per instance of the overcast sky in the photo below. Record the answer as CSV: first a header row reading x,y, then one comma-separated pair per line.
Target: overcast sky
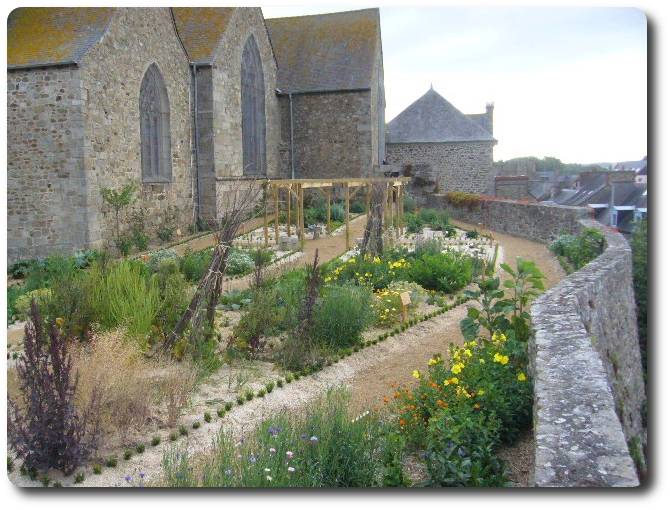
x,y
566,82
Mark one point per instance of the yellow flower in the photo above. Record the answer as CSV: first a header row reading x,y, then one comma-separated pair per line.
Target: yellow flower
x,y
498,337
480,392
60,321
416,374
456,369
468,353
521,377
453,380
481,361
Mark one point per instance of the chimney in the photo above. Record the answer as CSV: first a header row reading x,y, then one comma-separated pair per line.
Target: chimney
x,y
489,117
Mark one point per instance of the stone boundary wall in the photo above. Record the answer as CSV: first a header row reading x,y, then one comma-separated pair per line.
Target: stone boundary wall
x,y
589,391
537,222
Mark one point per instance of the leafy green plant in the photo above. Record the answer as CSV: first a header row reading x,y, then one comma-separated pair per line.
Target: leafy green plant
x,y
463,199
168,225
194,265
183,431
140,448
196,425
444,272
118,201
207,417
138,233
97,469
575,251
155,441
111,462
127,454
79,478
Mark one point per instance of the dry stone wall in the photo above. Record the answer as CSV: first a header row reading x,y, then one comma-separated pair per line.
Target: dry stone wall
x,y
537,222
589,391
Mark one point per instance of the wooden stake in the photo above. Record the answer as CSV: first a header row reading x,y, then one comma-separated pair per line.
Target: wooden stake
x,y
276,214
288,207
346,215
301,217
265,216
328,197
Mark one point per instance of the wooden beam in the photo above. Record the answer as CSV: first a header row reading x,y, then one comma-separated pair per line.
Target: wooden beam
x,y
346,216
288,209
265,217
329,198
301,215
276,215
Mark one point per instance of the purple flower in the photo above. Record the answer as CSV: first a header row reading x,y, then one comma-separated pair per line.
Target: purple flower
x,y
274,431
128,478
303,436
141,475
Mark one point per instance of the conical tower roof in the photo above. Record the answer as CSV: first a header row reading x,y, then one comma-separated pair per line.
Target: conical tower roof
x,y
432,118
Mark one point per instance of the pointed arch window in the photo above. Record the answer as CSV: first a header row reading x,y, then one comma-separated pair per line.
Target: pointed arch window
x,y
253,110
155,128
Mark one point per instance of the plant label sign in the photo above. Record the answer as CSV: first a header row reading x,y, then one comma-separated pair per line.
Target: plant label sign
x,y
405,301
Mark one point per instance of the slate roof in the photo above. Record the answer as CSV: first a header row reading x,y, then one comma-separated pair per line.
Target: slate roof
x,y
325,52
432,118
38,36
480,118
200,30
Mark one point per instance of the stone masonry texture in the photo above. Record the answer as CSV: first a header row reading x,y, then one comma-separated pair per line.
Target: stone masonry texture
x,y
111,75
46,177
537,222
454,166
589,391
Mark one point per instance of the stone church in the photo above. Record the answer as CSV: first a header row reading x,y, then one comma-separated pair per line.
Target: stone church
x,y
182,102
442,148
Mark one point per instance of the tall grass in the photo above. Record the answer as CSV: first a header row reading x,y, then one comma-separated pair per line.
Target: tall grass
x,y
123,295
323,447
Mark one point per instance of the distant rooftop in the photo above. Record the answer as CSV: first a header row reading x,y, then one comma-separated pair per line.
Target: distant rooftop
x,y
432,118
325,52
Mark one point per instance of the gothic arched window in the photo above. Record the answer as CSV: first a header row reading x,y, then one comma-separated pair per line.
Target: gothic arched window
x,y
253,110
155,128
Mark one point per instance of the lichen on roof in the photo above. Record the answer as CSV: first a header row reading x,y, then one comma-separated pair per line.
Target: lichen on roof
x,y
325,51
53,35
200,29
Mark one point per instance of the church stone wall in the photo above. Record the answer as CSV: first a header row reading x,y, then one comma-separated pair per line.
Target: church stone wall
x,y
112,73
226,98
455,166
332,135
46,180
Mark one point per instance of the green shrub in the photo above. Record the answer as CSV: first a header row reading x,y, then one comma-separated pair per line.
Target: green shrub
x,y
157,257
228,406
239,262
194,265
111,462
155,441
97,469
261,319
342,315
207,417
127,454
322,447
175,294
79,478
140,240
23,302
220,412
444,272
140,448
357,207
409,204
183,431
579,250
337,212
196,424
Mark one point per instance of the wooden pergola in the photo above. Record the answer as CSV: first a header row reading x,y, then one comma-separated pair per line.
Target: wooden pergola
x,y
294,193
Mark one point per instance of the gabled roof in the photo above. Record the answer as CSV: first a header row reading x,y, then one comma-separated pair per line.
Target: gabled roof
x,y
39,36
325,52
200,30
432,118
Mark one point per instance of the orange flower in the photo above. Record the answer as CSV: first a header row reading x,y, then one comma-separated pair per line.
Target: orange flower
x,y
386,400
402,422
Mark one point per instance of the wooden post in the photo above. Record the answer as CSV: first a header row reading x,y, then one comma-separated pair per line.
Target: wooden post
x,y
288,209
392,205
346,216
276,214
328,199
386,203
265,216
368,198
301,216
401,206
